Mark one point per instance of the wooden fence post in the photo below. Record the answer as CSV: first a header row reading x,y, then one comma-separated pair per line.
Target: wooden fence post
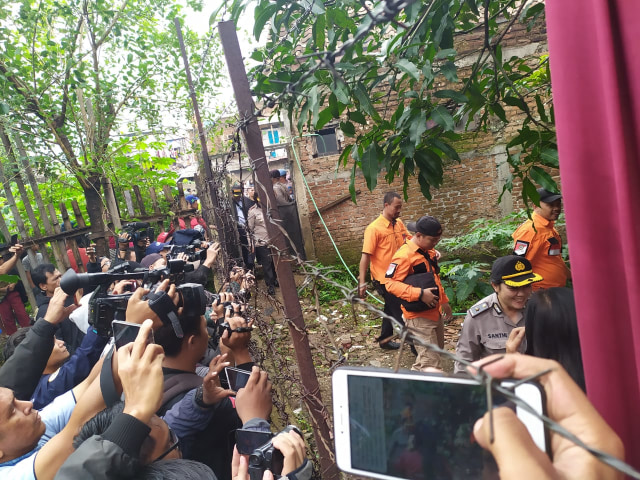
x,y
72,240
64,258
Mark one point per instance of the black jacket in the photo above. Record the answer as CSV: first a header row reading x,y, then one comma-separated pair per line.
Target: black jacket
x,y
113,455
22,372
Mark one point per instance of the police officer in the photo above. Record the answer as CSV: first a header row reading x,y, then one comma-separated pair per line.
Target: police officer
x,y
489,322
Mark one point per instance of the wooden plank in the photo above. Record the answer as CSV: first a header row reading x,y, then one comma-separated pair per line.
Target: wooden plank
x,y
129,202
166,189
78,214
71,241
136,191
24,159
21,272
154,200
62,258
112,204
17,177
182,202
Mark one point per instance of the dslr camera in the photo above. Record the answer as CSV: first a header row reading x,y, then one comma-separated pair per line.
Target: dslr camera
x,y
267,457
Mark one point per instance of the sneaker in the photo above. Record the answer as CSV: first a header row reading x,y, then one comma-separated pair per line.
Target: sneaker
x,y
271,291
390,346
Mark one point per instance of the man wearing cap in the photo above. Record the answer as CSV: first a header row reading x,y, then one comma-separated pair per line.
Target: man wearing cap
x,y
382,238
489,322
279,189
413,276
538,241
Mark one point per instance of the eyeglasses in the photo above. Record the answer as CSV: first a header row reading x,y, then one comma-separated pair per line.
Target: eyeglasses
x,y
175,443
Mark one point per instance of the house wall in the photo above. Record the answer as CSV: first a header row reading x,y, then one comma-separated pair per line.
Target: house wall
x,y
470,190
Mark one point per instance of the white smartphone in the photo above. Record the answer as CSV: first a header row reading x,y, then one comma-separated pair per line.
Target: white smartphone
x,y
411,425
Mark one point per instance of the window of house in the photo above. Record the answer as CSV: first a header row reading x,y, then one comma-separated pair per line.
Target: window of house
x,y
327,142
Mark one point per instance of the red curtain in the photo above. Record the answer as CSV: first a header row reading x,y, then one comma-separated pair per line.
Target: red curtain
x,y
594,48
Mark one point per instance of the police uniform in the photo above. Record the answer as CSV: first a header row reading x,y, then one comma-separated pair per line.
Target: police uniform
x,y
485,331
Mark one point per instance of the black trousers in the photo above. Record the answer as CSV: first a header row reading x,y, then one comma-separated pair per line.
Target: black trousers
x,y
391,308
263,257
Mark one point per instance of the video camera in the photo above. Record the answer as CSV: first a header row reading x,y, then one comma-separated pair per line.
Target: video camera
x,y
104,308
267,457
190,251
138,231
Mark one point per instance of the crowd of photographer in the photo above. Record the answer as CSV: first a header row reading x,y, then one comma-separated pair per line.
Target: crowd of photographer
x,y
136,385
136,370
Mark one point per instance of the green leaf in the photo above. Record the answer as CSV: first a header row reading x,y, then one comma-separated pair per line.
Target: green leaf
x,y
348,128
318,7
417,127
319,31
262,16
541,111
341,91
550,157
369,165
515,102
529,191
4,108
324,117
473,6
499,112
333,104
442,117
365,103
446,53
454,95
358,117
409,68
450,71
542,178
445,148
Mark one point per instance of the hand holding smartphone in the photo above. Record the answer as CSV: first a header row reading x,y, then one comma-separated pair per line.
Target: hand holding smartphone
x,y
126,332
404,425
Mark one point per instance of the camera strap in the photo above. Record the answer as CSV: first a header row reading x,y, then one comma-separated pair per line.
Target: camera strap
x,y
163,306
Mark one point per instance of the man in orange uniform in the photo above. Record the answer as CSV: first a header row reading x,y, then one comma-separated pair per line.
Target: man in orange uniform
x,y
413,276
539,242
382,238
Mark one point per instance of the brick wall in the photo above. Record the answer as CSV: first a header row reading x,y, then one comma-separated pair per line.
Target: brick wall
x,y
470,189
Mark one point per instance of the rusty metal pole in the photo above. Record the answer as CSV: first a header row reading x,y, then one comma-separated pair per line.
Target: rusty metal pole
x,y
292,308
223,225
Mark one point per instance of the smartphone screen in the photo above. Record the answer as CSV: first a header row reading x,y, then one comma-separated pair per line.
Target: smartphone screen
x,y
407,426
14,239
236,378
125,332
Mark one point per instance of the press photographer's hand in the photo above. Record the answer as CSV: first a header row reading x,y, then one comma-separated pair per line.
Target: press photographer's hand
x,y
57,312
212,391
138,309
513,448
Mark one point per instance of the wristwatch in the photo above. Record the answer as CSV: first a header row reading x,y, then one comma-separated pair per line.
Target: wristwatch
x,y
199,398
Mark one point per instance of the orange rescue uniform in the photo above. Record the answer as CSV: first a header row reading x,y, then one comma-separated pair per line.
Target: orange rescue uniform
x,y
402,265
382,239
543,248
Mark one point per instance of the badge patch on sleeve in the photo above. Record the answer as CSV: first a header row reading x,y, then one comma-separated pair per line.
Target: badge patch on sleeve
x,y
521,247
391,270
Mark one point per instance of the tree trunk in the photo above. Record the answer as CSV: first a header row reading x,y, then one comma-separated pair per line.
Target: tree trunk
x,y
96,211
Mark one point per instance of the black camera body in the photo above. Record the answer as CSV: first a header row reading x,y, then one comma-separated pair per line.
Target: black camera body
x,y
267,457
138,231
190,250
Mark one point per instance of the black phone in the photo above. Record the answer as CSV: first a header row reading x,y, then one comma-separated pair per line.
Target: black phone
x,y
126,332
14,239
236,378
